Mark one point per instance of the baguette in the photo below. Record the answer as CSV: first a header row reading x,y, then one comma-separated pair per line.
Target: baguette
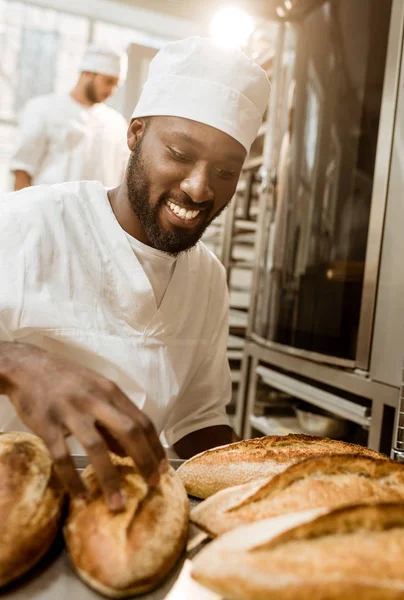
x,y
128,553
241,462
324,481
354,553
31,503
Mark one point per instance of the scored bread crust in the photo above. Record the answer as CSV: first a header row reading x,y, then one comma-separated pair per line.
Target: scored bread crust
x,y
353,553
31,503
324,481
130,552
240,462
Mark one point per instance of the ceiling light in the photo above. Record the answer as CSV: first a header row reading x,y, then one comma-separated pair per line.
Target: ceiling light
x,y
280,11
232,27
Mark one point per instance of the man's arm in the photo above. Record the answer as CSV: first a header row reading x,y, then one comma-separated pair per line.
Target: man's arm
x,y
22,179
55,397
204,439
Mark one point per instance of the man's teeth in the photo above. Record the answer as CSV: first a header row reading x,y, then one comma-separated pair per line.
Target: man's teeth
x,y
183,213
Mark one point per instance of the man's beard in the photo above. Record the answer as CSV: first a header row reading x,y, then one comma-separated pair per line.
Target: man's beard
x,y
90,92
174,240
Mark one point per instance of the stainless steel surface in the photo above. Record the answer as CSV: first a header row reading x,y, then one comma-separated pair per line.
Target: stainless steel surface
x,y
397,455
330,402
388,338
265,198
250,401
314,356
321,425
241,395
380,395
397,452
363,182
381,185
187,588
228,227
54,579
354,382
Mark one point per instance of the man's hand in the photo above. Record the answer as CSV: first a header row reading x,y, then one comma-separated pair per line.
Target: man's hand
x,y
55,397
22,180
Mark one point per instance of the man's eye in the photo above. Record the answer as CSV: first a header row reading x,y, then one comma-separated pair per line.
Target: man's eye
x,y
178,155
224,174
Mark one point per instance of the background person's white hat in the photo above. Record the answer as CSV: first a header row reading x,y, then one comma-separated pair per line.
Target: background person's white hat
x,y
197,79
104,60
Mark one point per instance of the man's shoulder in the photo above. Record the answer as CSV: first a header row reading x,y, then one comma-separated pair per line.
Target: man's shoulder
x,y
209,260
48,200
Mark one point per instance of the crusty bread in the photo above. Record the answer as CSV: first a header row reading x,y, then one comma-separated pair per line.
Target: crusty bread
x,y
31,502
128,553
354,553
240,462
324,481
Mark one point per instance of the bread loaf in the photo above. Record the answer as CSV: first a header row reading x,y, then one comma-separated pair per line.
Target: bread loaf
x,y
324,481
128,553
31,501
354,553
240,462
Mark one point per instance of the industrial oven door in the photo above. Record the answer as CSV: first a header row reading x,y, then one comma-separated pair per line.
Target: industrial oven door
x,y
328,100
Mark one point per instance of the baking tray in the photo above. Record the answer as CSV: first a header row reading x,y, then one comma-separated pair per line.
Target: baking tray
x,y
53,578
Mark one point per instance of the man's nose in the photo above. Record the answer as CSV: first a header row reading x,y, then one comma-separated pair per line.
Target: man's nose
x,y
197,186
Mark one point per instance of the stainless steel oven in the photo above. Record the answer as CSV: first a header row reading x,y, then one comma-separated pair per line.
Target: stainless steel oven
x,y
325,178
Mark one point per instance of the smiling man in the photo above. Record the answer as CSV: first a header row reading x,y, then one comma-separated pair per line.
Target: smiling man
x,y
113,316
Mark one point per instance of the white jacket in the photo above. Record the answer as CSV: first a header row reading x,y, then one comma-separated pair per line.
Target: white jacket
x,y
61,140
71,284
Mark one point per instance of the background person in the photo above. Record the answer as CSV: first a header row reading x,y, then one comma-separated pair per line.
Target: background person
x,y
75,136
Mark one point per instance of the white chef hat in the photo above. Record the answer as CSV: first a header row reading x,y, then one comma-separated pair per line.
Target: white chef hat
x,y
102,59
197,79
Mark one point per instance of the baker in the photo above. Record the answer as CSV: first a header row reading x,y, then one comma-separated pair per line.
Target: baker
x,y
75,136
113,315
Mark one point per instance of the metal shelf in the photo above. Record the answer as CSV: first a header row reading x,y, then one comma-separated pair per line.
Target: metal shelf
x,y
335,404
235,343
247,225
234,354
235,376
275,426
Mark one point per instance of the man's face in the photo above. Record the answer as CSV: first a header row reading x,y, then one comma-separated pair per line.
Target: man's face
x,y
181,175
100,87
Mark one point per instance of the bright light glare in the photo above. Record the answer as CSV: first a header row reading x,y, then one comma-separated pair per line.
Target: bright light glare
x,y
231,27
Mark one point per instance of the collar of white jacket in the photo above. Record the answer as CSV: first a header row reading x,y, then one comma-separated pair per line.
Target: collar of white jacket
x,y
196,78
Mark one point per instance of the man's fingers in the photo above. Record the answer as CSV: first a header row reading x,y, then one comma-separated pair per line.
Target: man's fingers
x,y
112,443
64,466
97,452
130,436
125,405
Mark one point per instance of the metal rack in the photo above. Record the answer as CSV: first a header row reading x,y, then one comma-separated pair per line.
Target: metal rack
x,y
397,451
233,239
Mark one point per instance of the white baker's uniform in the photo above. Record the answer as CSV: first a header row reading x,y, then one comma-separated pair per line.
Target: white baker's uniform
x,y
61,140
71,283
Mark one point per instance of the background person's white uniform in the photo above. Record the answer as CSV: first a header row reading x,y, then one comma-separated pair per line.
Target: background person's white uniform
x,y
60,139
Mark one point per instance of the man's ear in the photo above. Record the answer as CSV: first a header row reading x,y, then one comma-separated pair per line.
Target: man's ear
x,y
135,132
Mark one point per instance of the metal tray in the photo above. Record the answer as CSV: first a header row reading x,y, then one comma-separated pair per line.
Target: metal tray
x,y
54,578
